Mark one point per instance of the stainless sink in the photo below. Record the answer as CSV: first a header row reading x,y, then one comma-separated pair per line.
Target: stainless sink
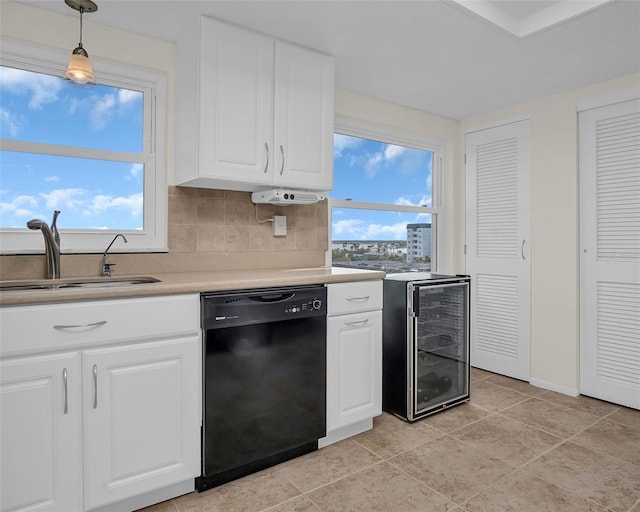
x,y
58,284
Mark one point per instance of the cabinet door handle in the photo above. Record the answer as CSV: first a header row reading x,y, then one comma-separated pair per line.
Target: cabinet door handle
x,y
282,152
95,386
66,391
80,326
359,299
522,248
266,166
358,322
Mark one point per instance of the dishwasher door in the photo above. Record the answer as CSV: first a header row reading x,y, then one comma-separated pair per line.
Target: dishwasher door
x,y
264,379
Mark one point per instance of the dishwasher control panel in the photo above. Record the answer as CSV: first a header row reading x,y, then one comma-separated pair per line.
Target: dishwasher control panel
x,y
303,307
262,305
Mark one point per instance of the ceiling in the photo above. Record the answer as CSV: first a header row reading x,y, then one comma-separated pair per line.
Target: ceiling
x,y
454,58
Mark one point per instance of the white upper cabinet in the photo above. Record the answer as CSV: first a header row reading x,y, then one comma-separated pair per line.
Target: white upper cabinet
x,y
303,118
251,112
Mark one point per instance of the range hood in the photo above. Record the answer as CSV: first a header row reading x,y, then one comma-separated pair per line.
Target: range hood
x,y
281,196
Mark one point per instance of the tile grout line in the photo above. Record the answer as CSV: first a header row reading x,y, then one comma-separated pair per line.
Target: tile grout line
x,y
522,467
381,459
314,489
419,482
440,434
596,450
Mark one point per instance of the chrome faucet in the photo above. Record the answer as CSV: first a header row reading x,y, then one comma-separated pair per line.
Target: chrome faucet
x,y
106,267
51,243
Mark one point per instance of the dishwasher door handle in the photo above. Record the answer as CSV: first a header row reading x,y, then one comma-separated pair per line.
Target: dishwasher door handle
x,y
280,297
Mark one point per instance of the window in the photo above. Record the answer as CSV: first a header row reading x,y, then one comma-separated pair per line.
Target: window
x,y
89,151
385,206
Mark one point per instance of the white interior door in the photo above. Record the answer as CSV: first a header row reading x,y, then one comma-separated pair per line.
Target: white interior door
x,y
610,253
497,235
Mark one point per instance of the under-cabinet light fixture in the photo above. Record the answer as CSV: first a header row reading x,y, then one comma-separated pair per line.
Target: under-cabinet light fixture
x,y
79,70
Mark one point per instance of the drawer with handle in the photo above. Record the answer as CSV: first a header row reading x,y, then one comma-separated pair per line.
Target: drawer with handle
x,y
353,297
29,329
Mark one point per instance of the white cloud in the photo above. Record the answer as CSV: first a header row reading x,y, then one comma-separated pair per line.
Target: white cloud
x,y
81,201
74,104
71,198
406,201
126,96
10,122
346,228
133,204
382,231
42,88
99,204
392,151
342,142
19,204
136,172
356,229
52,179
102,111
372,164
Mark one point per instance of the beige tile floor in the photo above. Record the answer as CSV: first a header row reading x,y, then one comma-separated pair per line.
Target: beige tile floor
x,y
514,447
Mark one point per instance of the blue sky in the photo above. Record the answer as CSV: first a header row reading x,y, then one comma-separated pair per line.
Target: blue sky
x,y
371,171
98,194
93,194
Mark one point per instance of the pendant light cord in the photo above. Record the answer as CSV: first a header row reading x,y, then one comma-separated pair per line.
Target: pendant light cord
x,y
81,9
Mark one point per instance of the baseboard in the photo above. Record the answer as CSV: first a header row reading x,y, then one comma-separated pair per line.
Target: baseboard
x,y
552,386
150,498
345,432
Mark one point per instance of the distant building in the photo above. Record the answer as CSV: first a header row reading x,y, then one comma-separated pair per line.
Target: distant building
x,y
418,241
371,246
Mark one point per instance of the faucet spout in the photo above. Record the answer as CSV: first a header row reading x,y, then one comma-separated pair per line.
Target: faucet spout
x,y
106,267
51,244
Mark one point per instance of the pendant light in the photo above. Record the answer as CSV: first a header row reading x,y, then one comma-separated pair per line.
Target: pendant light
x,y
79,70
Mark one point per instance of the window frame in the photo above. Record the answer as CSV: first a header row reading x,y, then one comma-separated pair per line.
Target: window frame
x,y
153,84
350,126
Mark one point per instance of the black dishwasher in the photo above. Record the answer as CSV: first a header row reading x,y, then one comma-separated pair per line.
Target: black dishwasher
x,y
264,385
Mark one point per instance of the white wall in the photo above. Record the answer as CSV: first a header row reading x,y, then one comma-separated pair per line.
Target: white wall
x,y
554,241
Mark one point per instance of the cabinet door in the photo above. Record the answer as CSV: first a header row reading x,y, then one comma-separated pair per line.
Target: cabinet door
x,y
354,368
41,443
142,418
303,118
236,116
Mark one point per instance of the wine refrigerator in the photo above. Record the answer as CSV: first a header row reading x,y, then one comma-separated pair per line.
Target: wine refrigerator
x,y
426,330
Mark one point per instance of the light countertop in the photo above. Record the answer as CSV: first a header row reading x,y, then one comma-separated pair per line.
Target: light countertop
x,y
188,282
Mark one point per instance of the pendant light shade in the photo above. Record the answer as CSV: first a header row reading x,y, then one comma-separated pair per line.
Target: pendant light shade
x,y
79,70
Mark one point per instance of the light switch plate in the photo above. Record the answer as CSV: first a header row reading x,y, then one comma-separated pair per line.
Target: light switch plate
x,y
279,225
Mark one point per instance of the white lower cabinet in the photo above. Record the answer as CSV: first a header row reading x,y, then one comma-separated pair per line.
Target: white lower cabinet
x,y
108,418
354,358
140,402
41,434
353,370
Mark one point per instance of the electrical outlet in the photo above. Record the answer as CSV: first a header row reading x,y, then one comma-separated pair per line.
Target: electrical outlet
x,y
279,225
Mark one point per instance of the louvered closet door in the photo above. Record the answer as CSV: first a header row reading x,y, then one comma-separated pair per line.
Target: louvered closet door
x,y
610,253
497,233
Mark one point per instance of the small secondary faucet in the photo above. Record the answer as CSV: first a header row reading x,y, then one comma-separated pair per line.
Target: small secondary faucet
x,y
51,243
106,267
